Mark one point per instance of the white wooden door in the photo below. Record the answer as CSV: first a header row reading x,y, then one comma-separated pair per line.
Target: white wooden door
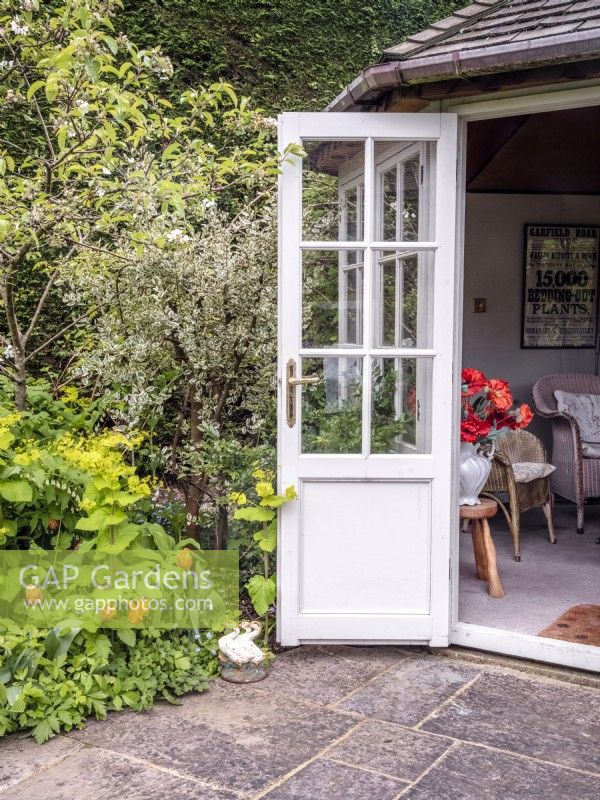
x,y
366,429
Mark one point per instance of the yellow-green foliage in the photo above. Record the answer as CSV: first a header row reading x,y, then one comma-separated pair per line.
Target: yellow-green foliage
x,y
61,481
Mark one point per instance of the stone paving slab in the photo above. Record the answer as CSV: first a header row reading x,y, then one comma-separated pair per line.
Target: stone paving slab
x,y
333,724
408,693
325,780
327,674
95,775
20,758
547,720
389,749
474,773
236,737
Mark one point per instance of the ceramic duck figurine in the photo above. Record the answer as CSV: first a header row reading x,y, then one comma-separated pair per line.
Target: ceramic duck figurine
x,y
238,646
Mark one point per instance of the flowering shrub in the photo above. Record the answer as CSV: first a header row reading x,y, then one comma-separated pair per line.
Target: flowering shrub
x,y
61,482
96,161
192,343
487,408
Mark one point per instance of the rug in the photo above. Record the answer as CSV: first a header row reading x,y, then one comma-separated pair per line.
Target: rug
x,y
578,624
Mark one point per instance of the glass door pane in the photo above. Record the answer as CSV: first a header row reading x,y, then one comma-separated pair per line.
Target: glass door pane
x,y
400,398
402,298
331,197
332,409
332,298
404,191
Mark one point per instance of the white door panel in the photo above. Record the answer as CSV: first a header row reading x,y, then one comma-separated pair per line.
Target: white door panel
x,y
377,536
366,321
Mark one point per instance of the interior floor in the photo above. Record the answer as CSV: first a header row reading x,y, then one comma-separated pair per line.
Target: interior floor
x,y
547,581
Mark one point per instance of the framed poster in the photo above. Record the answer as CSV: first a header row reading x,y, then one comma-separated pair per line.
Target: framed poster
x,y
560,286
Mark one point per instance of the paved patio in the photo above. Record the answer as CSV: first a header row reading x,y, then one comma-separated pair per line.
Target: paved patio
x,y
338,722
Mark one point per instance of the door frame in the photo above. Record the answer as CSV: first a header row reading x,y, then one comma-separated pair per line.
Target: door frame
x,y
479,637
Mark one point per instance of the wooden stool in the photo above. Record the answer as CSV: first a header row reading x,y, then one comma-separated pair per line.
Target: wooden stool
x,y
483,544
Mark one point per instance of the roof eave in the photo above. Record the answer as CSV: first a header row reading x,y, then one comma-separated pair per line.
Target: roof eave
x,y
380,78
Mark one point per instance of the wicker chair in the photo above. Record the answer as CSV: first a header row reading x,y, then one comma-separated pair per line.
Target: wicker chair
x,y
514,447
575,477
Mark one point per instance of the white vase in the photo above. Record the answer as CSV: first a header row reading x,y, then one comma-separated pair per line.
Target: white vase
x,y
474,471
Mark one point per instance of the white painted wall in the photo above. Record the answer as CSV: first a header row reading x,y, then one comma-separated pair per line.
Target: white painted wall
x,y
494,252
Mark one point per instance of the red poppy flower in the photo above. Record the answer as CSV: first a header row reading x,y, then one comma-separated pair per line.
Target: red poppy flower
x,y
473,429
524,415
500,395
473,381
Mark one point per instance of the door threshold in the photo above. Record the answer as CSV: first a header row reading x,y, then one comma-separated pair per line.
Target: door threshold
x,y
525,645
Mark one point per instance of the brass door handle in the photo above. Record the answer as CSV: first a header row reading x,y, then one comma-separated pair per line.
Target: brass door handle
x,y
292,381
310,379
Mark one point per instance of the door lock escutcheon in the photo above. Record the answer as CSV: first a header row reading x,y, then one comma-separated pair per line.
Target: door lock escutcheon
x,y
291,381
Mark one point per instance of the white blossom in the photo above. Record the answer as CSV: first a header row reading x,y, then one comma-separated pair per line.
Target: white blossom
x,y
17,28
177,235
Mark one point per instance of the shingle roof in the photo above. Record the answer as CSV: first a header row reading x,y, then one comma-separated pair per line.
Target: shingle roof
x,y
485,38
490,23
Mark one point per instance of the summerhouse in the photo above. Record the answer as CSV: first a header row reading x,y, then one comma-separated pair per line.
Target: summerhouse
x,y
446,214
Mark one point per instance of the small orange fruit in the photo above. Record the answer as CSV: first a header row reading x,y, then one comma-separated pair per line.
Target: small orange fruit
x,y
137,611
185,558
33,594
108,613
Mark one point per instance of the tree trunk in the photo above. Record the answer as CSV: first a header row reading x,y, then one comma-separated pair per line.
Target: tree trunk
x,y
221,528
20,383
193,494
192,511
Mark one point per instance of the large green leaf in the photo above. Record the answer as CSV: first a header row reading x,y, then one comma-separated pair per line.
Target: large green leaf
x,y
13,693
58,641
42,731
6,439
16,491
162,540
274,500
34,87
100,519
127,635
120,540
254,514
267,537
262,593
52,86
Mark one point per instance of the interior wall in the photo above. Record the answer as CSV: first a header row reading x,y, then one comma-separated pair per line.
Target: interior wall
x,y
494,254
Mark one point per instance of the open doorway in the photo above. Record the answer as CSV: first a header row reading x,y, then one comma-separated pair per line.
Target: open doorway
x,y
539,169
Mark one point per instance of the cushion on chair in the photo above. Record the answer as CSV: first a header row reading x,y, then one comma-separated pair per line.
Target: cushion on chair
x,y
586,410
525,471
590,449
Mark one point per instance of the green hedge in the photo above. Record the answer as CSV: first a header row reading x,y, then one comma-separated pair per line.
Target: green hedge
x,y
293,55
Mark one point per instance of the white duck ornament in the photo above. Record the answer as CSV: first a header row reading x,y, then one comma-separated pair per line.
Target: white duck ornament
x,y
238,646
